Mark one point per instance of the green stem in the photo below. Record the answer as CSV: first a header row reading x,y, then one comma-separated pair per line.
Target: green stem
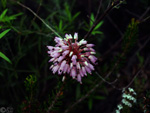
x,y
40,19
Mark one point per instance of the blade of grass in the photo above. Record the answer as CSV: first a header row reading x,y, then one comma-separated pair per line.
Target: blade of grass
x,y
4,33
5,57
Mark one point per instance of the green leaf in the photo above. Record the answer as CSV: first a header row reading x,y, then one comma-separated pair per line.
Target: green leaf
x,y
14,16
98,25
4,18
75,16
60,25
92,20
5,57
3,14
4,33
96,32
68,12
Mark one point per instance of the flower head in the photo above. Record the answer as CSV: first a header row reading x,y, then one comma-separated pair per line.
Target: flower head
x,y
72,57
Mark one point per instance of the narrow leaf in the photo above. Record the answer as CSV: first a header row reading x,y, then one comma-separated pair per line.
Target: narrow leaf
x,y
92,20
4,33
60,25
3,13
98,25
96,32
76,15
5,57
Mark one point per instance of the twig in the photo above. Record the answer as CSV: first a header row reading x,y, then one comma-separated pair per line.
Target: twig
x,y
112,47
98,11
131,80
146,19
147,10
113,23
131,13
39,19
110,83
101,18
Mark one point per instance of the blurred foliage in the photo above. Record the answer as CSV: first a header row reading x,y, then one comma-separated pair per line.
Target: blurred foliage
x,y
30,104
130,36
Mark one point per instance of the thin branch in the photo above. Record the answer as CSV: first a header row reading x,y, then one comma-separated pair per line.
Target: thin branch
x,y
98,11
110,83
132,13
139,71
102,17
112,47
113,23
39,19
146,19
147,10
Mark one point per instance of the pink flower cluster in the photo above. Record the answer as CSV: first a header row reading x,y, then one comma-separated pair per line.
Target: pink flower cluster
x,y
72,57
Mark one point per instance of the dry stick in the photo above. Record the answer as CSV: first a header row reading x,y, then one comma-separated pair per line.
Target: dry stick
x,y
101,18
40,19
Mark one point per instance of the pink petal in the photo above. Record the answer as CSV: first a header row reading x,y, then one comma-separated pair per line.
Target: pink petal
x,y
60,58
89,45
55,68
88,69
73,72
66,68
79,78
65,52
76,36
91,66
